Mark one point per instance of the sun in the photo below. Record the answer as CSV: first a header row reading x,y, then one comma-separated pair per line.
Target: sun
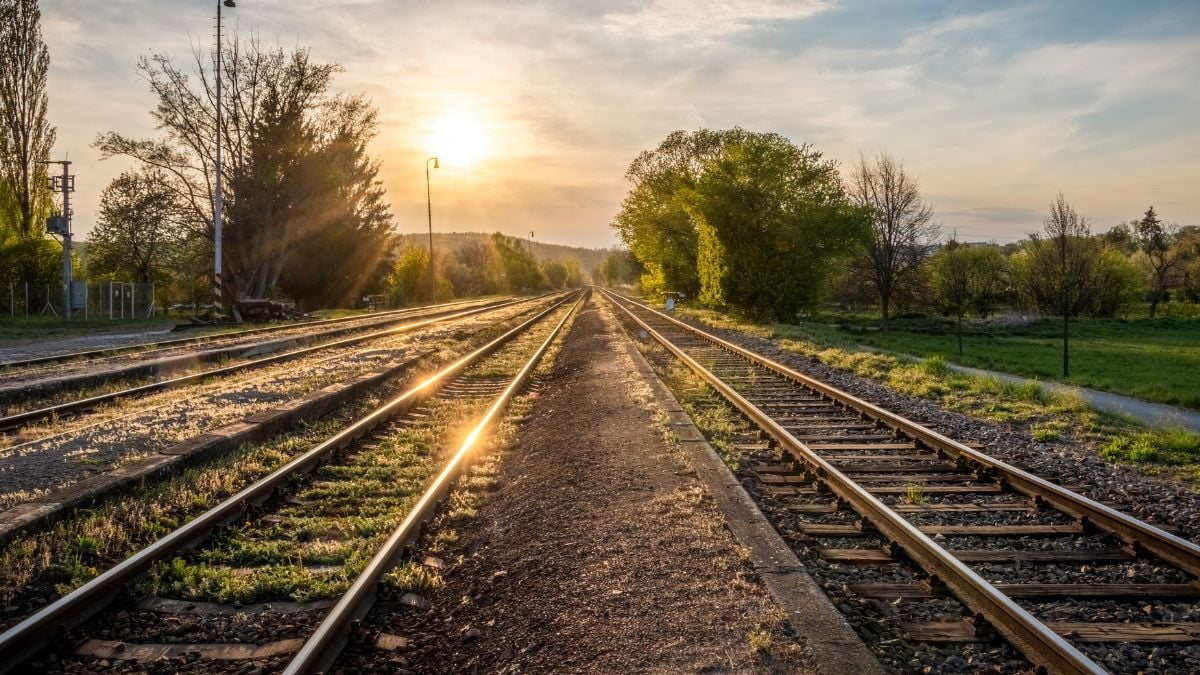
x,y
458,139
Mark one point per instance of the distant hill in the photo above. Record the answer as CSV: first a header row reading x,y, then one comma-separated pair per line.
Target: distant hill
x,y
447,242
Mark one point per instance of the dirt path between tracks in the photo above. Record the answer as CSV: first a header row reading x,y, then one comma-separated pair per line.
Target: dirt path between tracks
x,y
599,551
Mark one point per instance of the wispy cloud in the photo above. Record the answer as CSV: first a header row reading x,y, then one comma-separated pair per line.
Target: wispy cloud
x,y
666,18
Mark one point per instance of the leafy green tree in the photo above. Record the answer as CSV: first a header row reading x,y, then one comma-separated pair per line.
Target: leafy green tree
x,y
409,280
521,271
653,222
29,259
574,274
474,270
1119,284
965,278
952,277
772,220
619,267
555,272
25,133
138,236
1161,258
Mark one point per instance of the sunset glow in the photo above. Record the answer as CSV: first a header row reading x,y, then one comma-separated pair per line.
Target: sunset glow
x,y
459,140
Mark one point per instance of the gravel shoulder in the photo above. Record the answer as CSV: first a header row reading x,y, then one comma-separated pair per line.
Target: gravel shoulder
x,y
599,551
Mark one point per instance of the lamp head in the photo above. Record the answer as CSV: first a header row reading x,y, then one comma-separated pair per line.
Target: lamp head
x,y
230,3
435,163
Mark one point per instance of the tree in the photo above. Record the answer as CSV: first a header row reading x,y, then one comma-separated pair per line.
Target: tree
x,y
991,279
521,271
1161,257
1122,238
619,267
138,236
1061,267
574,273
652,220
305,211
409,280
902,228
25,134
474,270
1119,284
968,277
772,219
951,272
555,272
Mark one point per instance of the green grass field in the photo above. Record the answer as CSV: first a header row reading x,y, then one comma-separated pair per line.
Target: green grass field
x,y
1156,360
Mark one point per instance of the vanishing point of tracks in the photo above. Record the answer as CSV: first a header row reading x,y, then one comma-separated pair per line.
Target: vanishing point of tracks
x,y
874,490
479,385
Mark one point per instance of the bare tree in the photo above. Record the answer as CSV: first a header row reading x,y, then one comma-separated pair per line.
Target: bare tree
x,y
902,227
1062,266
1162,257
25,135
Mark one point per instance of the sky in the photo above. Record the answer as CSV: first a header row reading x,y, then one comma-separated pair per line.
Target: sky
x,y
536,108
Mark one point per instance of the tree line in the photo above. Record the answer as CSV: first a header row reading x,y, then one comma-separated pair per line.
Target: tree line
x,y
498,264
755,224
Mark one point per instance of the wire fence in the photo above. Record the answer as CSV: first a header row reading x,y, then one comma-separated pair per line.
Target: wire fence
x,y
97,300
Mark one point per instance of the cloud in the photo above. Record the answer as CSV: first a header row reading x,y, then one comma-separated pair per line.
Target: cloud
x,y
668,18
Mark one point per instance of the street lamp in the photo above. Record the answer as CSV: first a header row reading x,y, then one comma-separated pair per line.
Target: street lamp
x,y
217,205
429,209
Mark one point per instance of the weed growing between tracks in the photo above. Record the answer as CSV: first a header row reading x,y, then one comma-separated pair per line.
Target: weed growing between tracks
x,y
1047,416
36,567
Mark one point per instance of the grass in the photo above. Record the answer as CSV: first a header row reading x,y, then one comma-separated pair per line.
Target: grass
x,y
1047,416
21,328
913,494
1152,359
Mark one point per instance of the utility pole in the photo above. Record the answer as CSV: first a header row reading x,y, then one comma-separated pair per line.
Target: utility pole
x,y
217,203
429,210
61,225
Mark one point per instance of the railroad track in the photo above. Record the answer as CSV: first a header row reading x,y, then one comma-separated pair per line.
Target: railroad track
x,y
66,409
8,368
875,491
296,495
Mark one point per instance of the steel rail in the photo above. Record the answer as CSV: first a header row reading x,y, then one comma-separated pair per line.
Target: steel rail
x,y
1135,533
25,639
1033,638
213,337
326,643
19,420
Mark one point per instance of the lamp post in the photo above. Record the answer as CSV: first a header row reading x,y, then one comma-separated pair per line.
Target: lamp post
x,y
217,204
429,210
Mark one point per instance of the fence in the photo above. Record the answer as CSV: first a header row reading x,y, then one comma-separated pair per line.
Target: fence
x,y
101,300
